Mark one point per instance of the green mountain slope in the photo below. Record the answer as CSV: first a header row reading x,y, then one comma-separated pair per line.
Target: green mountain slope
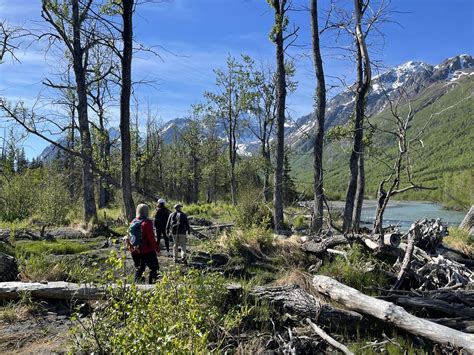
x,y
445,159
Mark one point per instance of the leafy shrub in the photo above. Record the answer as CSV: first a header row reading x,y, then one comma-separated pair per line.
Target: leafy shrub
x,y
19,195
252,211
37,193
184,313
300,222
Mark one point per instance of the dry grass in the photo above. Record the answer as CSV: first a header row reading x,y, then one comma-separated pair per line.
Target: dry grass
x,y
14,313
299,278
460,240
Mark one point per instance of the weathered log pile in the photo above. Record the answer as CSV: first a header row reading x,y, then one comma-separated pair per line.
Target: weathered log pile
x,y
427,281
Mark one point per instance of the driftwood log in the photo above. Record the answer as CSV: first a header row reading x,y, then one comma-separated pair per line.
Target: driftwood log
x,y
393,314
294,300
333,342
61,290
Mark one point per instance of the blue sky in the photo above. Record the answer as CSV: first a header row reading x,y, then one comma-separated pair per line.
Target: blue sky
x,y
200,34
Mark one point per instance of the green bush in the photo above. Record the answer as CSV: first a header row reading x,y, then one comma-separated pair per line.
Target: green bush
x,y
38,194
185,313
252,211
300,222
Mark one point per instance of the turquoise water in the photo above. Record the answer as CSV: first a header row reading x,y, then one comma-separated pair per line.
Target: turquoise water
x,y
404,213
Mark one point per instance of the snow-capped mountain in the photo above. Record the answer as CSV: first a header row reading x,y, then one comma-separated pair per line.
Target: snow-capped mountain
x,y
412,77
52,152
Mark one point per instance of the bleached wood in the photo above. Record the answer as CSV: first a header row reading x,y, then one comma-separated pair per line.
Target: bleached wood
x,y
391,313
333,342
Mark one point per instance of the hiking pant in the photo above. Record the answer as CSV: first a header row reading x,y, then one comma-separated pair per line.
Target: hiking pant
x,y
141,261
162,233
179,240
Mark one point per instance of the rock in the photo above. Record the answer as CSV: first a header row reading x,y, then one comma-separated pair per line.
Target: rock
x,y
8,268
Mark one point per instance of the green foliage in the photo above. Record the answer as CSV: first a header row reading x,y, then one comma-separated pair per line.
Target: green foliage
x,y
443,160
300,222
252,211
59,247
7,248
185,313
35,193
258,239
398,344
41,267
360,270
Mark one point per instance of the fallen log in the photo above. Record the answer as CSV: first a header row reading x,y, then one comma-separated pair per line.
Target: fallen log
x,y
391,313
333,342
406,258
61,290
435,305
463,324
296,301
321,245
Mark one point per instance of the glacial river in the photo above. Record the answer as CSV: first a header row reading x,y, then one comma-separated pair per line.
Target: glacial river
x,y
404,213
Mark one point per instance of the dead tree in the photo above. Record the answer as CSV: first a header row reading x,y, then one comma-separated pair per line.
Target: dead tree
x,y
402,160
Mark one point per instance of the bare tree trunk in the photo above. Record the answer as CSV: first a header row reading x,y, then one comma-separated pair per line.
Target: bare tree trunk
x,y
320,112
70,158
232,158
90,211
359,198
126,59
280,116
266,173
355,189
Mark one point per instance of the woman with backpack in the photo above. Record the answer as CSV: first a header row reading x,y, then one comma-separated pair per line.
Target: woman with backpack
x,y
142,244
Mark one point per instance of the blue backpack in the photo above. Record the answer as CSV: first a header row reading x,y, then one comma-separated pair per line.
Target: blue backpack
x,y
135,233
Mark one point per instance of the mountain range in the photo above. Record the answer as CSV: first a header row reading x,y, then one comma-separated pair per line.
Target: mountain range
x,y
428,86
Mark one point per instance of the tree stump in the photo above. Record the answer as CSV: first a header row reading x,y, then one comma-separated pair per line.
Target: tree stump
x,y
8,268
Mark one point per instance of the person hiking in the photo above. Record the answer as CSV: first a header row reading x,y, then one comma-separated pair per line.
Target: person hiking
x,y
142,244
178,226
161,219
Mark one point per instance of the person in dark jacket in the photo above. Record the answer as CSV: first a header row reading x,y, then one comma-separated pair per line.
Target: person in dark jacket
x,y
178,226
161,219
146,254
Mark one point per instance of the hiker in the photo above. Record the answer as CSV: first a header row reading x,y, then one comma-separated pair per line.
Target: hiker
x,y
161,219
142,244
178,226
